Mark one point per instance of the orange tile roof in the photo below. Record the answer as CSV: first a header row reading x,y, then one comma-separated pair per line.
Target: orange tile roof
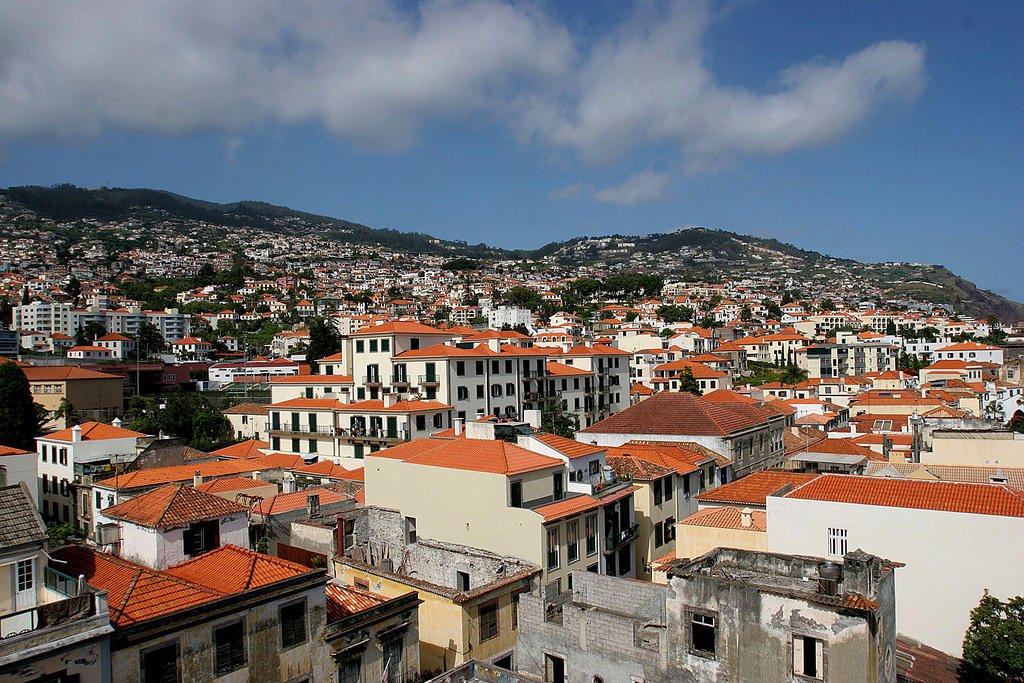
x,y
568,447
754,488
680,413
8,450
94,431
728,396
727,518
638,469
230,569
170,506
156,476
327,468
476,455
567,507
246,409
309,403
557,369
841,447
63,373
231,484
376,405
313,379
343,600
284,502
400,327
946,496
245,449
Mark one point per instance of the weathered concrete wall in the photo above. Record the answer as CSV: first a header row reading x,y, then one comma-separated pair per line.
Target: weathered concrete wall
x,y
265,661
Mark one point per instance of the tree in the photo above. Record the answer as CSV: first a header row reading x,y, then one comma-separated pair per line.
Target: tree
x,y
890,327
88,334
148,340
687,382
994,642
827,305
745,313
675,314
206,275
524,297
21,419
1016,422
555,421
793,375
324,339
58,533
66,411
74,288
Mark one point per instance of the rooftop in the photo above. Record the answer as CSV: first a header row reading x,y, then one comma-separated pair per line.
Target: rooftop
x,y
754,488
478,455
172,505
680,413
20,522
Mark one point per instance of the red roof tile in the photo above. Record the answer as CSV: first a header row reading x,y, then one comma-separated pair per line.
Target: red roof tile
x,y
230,569
343,601
245,449
680,414
477,455
754,488
94,431
231,484
283,502
568,447
947,496
172,505
727,518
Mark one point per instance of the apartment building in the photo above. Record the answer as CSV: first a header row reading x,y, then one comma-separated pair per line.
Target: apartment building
x,y
834,360
50,317
92,394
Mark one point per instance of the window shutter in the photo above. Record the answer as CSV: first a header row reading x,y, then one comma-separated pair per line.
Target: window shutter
x,y
798,655
819,659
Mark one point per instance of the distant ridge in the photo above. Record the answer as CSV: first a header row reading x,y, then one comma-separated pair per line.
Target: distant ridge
x,y
691,252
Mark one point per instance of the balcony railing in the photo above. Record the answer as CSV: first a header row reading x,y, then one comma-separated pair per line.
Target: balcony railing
x,y
373,434
400,380
47,615
616,539
371,380
303,430
534,374
428,380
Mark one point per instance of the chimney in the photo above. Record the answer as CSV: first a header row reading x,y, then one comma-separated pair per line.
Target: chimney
x,y
76,434
312,504
197,479
116,422
390,399
746,518
458,424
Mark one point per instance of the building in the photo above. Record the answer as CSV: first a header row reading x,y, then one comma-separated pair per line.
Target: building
x,y
468,596
90,353
65,455
833,360
169,525
248,420
729,615
228,612
963,526
95,395
368,633
52,627
748,435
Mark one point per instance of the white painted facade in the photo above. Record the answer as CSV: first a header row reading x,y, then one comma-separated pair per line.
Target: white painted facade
x,y
161,548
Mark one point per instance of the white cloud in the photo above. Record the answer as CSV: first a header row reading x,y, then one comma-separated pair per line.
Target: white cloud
x,y
646,186
375,73
647,83
573,191
363,68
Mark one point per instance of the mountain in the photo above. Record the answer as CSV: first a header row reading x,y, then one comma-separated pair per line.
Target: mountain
x,y
690,253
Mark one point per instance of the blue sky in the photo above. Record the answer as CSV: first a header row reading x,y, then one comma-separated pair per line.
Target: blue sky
x,y
877,131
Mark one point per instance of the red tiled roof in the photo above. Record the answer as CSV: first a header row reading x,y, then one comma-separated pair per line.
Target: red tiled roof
x,y
638,469
230,569
841,447
94,431
184,473
8,450
313,379
246,409
577,504
728,396
231,484
680,413
376,405
283,502
476,455
557,369
946,496
172,505
343,600
327,468
309,403
245,449
754,488
400,327
569,447
727,518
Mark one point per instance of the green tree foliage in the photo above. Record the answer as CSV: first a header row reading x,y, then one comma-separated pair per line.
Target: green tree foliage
x,y
189,416
1016,422
994,642
66,411
555,421
206,276
890,327
675,314
827,305
59,533
745,313
74,288
688,383
461,264
88,334
324,339
20,418
774,311
148,341
524,297
792,374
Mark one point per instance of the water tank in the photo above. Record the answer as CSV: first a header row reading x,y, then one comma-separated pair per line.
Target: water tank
x,y
829,574
609,473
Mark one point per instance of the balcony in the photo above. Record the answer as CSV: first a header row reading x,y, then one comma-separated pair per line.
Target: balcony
x,y
371,381
302,430
400,381
615,540
428,381
359,434
534,374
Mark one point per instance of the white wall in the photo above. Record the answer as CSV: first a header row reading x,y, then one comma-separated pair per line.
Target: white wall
x,y
950,557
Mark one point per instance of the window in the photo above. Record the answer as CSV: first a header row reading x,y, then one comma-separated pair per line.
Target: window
x,y
659,537
293,624
489,621
553,548
702,634
393,659
495,390
516,494
479,390
373,346
359,346
595,466
837,541
591,530
385,344
160,664
25,575
460,368
572,540
275,443
201,537
557,486
229,648
510,389
808,657
438,420
667,485
410,529
42,453
295,445
495,366
364,584
99,500
656,486
508,367
348,671
462,393
479,367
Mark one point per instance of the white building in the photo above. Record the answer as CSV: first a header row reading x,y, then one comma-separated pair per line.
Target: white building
x,y
59,452
956,539
971,352
508,315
